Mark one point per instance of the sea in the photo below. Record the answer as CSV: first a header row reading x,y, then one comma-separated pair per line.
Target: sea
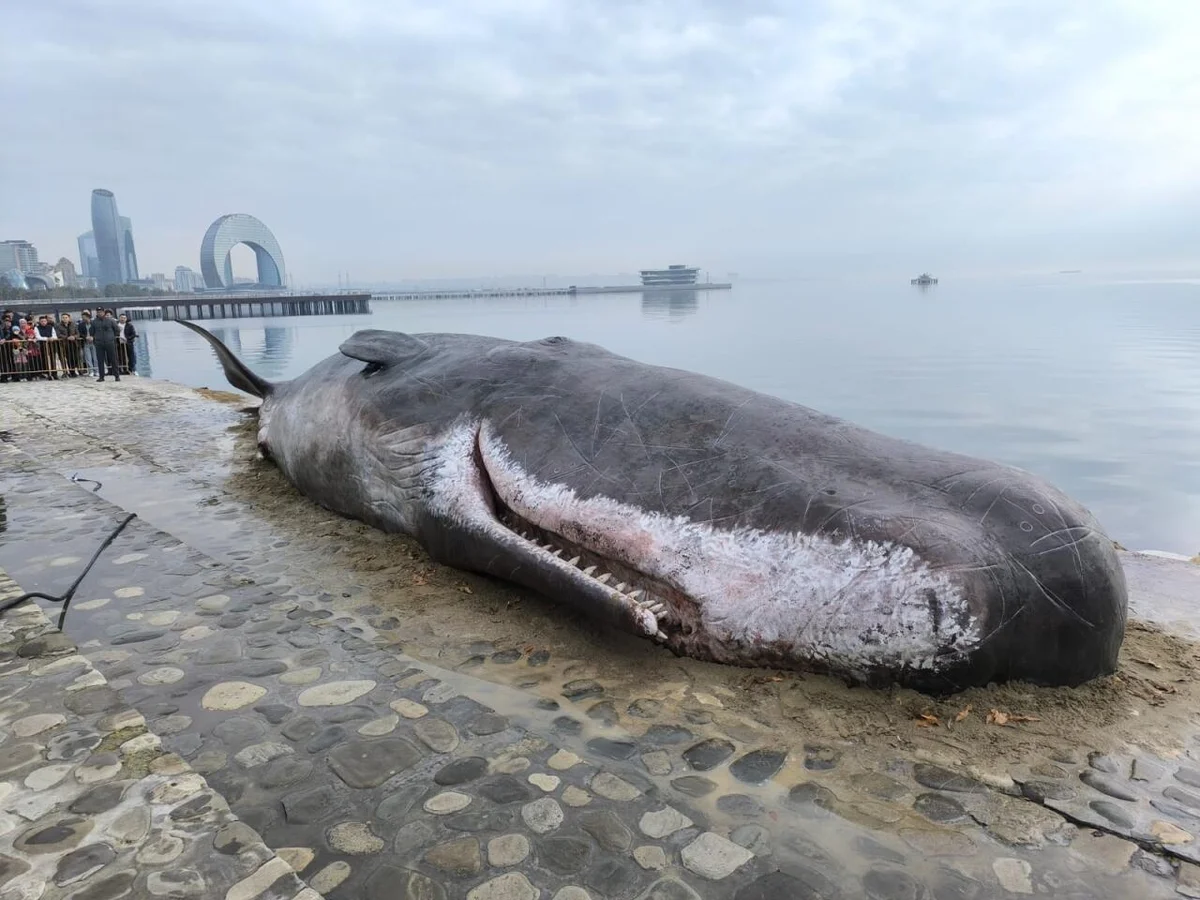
x,y
1092,383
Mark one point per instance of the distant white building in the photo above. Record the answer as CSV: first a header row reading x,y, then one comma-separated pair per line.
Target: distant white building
x,y
186,280
20,255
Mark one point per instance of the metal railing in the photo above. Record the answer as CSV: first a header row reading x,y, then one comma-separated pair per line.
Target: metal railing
x,y
26,359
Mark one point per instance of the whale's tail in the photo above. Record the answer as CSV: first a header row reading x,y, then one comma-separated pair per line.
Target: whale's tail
x,y
237,373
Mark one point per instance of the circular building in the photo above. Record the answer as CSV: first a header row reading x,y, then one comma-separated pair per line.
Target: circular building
x,y
225,234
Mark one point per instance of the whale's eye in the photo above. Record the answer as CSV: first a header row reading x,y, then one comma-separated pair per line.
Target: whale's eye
x,y
371,368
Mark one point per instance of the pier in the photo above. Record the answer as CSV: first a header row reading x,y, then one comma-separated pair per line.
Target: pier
x,y
467,293
248,305
572,291
257,305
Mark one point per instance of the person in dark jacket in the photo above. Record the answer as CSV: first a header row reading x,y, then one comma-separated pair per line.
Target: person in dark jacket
x,y
105,338
87,335
128,335
8,368
69,336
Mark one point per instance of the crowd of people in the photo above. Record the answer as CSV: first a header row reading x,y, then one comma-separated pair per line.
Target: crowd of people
x,y
44,347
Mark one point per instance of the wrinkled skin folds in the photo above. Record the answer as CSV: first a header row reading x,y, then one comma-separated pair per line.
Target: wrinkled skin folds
x,y
725,524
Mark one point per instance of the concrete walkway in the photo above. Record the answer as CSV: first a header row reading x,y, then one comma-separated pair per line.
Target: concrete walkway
x,y
93,806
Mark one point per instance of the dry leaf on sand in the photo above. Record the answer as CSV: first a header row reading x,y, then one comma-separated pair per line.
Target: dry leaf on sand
x,y
996,717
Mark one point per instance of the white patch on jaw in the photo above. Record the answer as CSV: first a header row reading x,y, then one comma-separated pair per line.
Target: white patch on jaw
x,y
457,492
853,604
456,489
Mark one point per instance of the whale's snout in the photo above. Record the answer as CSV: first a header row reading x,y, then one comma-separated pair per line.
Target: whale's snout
x,y
1053,591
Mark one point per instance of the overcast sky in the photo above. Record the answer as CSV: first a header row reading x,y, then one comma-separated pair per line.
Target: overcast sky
x,y
397,139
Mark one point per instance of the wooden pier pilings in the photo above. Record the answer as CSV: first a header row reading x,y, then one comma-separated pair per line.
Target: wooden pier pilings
x,y
212,306
200,307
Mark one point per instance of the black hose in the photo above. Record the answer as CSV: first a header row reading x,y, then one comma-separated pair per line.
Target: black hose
x,y
65,599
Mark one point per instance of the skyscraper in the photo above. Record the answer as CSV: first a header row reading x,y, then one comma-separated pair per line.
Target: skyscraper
x,y
106,231
129,266
89,262
107,251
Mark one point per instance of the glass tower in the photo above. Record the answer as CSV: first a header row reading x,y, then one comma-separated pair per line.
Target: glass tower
x,y
128,256
89,262
107,233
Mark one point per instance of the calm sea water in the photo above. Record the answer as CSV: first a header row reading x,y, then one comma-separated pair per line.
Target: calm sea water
x,y
1093,385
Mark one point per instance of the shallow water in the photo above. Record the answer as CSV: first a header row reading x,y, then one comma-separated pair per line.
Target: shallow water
x,y
1094,385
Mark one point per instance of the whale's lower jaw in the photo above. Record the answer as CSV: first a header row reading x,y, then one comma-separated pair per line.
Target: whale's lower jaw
x,y
747,597
683,629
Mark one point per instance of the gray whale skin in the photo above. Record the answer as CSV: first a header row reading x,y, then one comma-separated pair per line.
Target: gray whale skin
x,y
726,524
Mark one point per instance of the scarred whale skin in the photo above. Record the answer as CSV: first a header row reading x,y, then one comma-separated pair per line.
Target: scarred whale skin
x,y
726,524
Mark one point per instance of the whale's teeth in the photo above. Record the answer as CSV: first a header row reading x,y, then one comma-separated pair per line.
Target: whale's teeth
x,y
574,561
660,614
656,608
634,595
589,570
558,552
620,588
659,636
603,579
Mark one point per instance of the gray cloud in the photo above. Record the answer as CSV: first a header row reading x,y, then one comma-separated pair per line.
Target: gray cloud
x,y
474,136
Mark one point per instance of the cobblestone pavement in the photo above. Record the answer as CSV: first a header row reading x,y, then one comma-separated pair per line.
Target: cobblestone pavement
x,y
91,805
378,774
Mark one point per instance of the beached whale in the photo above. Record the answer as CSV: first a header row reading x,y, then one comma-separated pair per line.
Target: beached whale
x,y
726,524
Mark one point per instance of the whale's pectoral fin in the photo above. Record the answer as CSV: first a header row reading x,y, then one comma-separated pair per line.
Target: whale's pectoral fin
x,y
382,348
237,373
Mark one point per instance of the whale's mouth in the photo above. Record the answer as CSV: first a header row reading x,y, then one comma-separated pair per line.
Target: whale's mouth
x,y
655,608
636,589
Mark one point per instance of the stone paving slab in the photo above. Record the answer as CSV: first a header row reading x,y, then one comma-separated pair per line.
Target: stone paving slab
x,y
92,805
1148,800
379,775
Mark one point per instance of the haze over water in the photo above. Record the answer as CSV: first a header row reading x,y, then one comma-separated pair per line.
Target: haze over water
x,y
1093,385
